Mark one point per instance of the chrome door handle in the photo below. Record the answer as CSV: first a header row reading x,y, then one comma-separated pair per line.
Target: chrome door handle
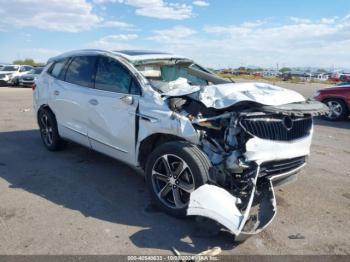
x,y
56,92
128,99
93,102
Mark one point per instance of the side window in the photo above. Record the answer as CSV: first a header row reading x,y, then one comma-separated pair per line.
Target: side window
x,y
80,70
112,76
56,69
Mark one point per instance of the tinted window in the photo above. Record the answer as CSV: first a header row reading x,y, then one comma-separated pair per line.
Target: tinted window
x,y
56,68
80,70
112,76
10,68
37,70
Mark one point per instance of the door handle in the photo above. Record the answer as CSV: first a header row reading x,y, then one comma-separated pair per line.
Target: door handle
x,y
128,99
56,92
93,102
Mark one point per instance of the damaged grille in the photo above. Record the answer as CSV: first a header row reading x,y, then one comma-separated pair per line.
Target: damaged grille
x,y
279,167
282,128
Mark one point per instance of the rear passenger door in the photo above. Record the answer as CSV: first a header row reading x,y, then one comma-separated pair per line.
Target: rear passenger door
x,y
112,107
70,97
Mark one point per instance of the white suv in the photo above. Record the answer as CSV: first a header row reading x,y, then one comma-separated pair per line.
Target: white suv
x,y
208,146
10,74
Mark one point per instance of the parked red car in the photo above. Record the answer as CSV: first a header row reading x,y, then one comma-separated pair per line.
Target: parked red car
x,y
337,98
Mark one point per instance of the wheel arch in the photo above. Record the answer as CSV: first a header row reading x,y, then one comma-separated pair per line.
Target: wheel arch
x,y
44,107
148,144
337,98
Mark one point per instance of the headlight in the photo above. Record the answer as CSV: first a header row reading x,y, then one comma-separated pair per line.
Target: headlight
x,y
317,93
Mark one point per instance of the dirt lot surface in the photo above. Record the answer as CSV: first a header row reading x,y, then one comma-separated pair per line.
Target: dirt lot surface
x,y
80,202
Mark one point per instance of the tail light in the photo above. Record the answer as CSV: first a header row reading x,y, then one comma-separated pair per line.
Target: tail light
x,y
33,87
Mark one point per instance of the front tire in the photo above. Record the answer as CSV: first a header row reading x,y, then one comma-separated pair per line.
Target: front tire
x,y
337,109
173,171
49,131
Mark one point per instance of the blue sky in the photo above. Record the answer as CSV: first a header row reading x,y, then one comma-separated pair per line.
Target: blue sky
x,y
216,33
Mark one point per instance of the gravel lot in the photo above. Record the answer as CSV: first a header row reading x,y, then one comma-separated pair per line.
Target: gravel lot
x,y
80,202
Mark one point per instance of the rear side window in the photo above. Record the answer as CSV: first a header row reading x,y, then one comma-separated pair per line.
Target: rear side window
x,y
80,71
113,77
56,69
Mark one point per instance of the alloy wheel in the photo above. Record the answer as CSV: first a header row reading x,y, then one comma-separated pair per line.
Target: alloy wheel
x,y
172,180
335,109
46,130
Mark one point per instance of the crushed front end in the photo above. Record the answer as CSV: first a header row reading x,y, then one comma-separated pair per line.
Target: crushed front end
x,y
252,148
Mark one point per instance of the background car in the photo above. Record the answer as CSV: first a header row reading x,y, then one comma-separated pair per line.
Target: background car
x,y
10,74
29,78
6,73
337,98
22,70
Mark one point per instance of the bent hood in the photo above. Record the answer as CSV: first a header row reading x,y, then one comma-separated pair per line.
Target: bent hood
x,y
226,95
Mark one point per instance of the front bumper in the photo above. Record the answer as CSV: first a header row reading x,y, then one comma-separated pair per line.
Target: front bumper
x,y
23,82
261,150
218,204
5,80
275,163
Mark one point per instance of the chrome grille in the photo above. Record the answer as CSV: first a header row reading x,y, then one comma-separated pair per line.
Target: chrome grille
x,y
282,128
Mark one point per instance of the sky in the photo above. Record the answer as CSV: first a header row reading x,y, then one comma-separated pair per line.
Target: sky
x,y
215,33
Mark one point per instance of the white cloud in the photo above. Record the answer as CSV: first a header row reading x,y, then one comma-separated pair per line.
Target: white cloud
x,y
155,8
299,20
117,24
172,34
115,42
54,15
317,43
200,3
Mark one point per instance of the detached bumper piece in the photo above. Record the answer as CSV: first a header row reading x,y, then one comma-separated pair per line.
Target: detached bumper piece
x,y
218,204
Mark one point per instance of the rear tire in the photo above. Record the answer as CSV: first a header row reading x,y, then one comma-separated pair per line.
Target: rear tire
x,y
49,131
338,109
173,171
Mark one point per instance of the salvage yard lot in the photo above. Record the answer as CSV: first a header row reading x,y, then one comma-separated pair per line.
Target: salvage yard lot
x,y
81,202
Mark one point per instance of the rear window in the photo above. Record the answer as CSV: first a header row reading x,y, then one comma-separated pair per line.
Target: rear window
x,y
80,71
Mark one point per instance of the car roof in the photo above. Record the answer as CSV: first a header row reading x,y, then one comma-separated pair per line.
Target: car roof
x,y
130,55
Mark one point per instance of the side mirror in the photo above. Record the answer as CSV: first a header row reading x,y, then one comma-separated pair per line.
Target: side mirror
x,y
128,99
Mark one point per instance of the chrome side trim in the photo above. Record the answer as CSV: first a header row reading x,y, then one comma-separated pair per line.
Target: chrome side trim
x,y
73,129
109,145
103,143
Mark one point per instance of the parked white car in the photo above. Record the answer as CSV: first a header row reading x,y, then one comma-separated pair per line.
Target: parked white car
x,y
29,78
10,74
208,146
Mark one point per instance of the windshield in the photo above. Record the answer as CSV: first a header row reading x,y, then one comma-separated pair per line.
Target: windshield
x,y
167,74
9,68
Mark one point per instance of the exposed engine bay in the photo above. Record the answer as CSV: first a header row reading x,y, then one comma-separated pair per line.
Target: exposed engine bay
x,y
255,135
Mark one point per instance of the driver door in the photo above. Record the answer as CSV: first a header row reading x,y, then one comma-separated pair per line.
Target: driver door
x,y
112,106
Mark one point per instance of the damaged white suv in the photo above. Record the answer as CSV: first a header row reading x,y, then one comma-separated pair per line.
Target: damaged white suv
x,y
208,146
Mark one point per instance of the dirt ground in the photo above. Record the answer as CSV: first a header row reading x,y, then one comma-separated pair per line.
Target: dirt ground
x,y
80,202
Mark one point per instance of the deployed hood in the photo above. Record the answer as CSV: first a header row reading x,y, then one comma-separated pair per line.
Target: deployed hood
x,y
225,95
